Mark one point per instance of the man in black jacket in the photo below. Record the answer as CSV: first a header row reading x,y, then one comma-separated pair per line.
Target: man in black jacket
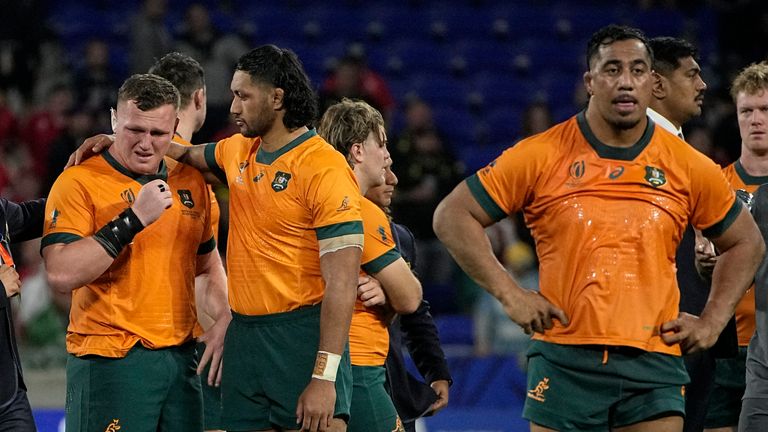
x,y
412,397
18,222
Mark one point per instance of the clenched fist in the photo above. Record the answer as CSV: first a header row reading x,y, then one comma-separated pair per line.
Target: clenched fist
x,y
153,199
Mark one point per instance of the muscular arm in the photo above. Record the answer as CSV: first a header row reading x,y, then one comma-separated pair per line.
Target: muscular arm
x,y
76,264
741,249
401,286
213,312
193,156
340,271
212,283
459,223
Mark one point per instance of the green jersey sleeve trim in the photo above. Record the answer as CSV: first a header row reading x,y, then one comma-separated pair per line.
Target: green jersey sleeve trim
x,y
484,198
339,229
210,159
378,264
55,238
207,247
720,227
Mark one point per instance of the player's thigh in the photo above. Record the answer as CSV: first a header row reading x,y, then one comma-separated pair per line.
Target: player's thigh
x,y
672,423
539,428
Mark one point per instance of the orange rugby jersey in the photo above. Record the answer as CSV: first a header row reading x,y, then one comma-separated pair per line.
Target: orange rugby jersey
x,y
368,335
215,211
607,222
147,294
745,310
286,209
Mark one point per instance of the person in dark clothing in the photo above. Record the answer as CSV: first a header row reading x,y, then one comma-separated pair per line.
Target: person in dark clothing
x,y
18,222
412,397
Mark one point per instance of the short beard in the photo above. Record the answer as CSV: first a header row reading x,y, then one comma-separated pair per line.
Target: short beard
x,y
625,124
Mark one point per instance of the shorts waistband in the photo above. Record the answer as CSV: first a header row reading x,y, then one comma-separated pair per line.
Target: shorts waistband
x,y
280,317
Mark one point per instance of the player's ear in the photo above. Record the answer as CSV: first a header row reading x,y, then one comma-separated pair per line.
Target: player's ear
x,y
198,97
659,88
588,82
277,98
356,153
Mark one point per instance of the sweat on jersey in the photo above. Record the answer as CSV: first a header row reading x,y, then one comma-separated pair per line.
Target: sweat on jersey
x,y
607,222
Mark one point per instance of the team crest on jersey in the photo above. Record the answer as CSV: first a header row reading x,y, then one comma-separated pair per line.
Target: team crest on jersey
x,y
280,181
577,169
186,198
655,176
128,196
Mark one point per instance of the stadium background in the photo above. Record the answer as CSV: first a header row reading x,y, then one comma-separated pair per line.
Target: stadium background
x,y
477,63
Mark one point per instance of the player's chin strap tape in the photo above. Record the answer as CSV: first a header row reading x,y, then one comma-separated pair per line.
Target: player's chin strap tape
x,y
326,366
119,232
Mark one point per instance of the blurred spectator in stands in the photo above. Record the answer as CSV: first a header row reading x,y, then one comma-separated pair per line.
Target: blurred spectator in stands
x,y
22,29
428,171
95,83
9,125
494,332
353,79
537,118
81,124
217,52
150,39
45,125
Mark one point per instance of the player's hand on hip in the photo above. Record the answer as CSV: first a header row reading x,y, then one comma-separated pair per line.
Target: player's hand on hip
x,y
10,280
533,312
316,405
153,199
90,147
691,332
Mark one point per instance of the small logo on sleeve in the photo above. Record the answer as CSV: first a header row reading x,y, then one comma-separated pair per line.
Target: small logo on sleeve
x,y
537,394
280,181
344,205
383,233
54,218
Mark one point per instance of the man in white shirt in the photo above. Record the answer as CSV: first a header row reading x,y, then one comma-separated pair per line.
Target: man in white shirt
x,y
678,93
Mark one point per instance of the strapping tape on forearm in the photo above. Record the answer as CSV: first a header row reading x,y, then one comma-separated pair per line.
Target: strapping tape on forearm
x,y
326,366
119,232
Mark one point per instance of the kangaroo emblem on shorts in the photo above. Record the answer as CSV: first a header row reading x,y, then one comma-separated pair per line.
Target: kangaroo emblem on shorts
x,y
537,394
113,427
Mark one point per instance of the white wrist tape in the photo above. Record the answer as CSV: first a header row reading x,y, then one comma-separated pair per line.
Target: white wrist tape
x,y
326,366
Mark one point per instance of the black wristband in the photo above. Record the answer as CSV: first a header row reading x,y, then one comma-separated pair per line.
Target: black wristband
x,y
119,232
